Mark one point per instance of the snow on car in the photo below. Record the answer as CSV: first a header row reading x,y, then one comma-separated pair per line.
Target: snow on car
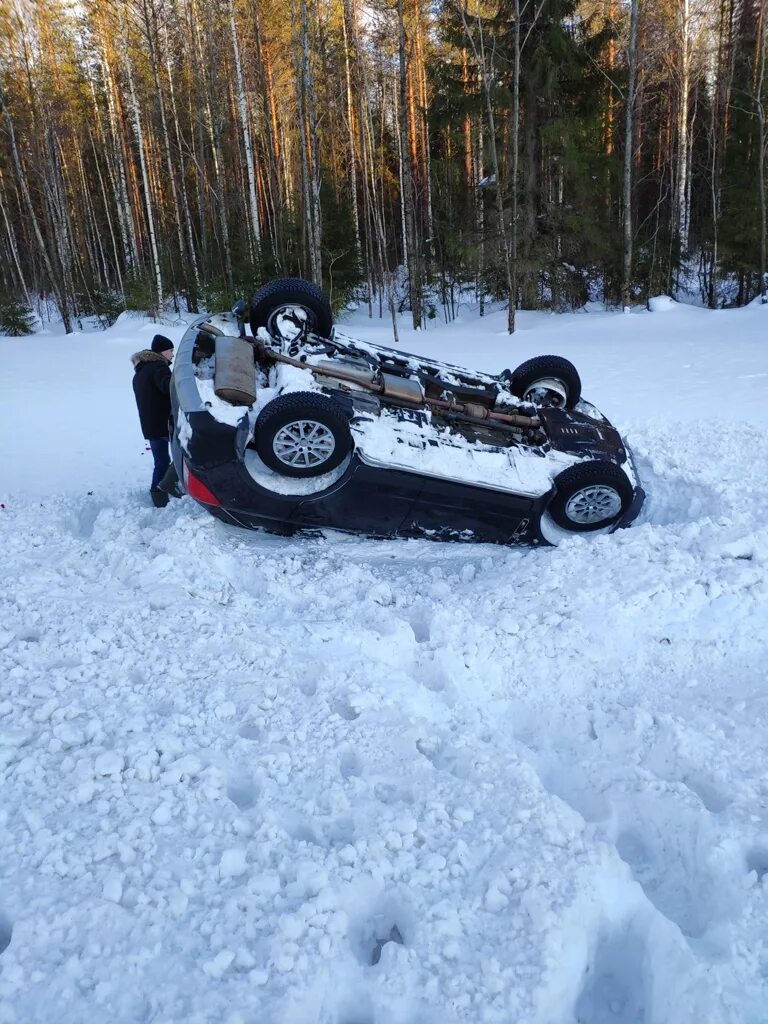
x,y
299,426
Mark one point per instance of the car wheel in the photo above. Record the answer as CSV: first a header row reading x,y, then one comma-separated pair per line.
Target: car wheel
x,y
590,496
291,308
548,381
302,434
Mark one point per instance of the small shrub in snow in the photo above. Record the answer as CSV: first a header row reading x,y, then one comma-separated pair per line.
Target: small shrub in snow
x,y
139,293
16,320
107,306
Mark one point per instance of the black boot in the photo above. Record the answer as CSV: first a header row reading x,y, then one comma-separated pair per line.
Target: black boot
x,y
159,498
170,482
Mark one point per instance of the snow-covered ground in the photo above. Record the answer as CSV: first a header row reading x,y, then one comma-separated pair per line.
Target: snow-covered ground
x,y
248,780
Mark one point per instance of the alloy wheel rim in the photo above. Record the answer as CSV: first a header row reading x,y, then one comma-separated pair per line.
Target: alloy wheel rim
x,y
304,444
594,504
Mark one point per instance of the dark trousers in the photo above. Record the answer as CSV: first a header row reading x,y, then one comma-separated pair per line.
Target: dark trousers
x,y
162,456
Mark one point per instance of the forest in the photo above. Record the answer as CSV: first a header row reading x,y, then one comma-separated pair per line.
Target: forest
x,y
171,155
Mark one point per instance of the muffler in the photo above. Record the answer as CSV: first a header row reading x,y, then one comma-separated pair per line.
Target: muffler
x,y
234,380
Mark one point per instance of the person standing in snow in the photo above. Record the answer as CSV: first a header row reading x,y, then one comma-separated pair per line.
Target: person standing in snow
x,y
152,386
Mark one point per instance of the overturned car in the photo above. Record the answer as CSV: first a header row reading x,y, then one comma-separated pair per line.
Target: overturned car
x,y
297,426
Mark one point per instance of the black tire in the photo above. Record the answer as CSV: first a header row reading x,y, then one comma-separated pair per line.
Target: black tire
x,y
541,367
293,409
580,478
291,291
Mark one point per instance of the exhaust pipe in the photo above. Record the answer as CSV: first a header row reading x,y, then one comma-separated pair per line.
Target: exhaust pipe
x,y
400,389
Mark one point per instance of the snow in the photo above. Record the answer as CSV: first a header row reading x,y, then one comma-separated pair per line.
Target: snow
x,y
423,449
661,304
328,780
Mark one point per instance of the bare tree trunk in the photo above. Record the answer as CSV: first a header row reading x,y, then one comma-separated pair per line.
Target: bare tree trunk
x,y
107,213
480,215
762,143
629,134
280,198
213,129
413,260
718,134
139,134
350,40
515,167
310,171
55,283
151,32
683,208
13,247
487,76
242,106
424,101
183,183
401,160
124,211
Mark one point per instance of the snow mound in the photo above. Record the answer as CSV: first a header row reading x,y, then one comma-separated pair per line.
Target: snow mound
x,y
661,304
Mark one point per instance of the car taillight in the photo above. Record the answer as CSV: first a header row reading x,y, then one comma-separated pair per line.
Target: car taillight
x,y
196,489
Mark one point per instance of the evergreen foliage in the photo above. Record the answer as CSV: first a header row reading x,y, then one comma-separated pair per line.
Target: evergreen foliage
x,y
16,320
148,158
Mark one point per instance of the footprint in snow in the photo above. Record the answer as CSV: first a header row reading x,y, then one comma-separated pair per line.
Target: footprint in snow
x,y
389,920
351,765
248,731
445,758
356,1009
671,849
757,861
81,522
341,707
307,686
301,830
242,790
614,990
392,793
708,792
419,619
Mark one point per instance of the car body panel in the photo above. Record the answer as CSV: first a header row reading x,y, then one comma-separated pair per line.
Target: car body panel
x,y
407,475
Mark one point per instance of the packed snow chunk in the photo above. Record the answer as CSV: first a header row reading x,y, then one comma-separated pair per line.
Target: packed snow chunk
x,y
113,889
217,967
661,304
109,763
495,900
233,863
162,814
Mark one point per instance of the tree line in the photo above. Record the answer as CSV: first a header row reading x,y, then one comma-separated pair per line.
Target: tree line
x,y
176,153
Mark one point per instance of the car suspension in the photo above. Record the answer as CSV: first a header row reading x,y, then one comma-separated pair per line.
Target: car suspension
x,y
393,387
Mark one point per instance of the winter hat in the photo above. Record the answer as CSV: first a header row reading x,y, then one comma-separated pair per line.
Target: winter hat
x,y
161,344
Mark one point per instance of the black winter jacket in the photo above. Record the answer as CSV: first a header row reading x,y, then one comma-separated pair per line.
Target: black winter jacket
x,y
152,385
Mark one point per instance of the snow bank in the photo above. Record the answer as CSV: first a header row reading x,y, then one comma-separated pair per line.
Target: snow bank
x,y
661,304
333,781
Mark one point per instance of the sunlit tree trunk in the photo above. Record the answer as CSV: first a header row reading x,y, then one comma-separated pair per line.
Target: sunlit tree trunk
x,y
13,247
53,278
760,81
413,262
350,40
139,136
629,135
242,106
